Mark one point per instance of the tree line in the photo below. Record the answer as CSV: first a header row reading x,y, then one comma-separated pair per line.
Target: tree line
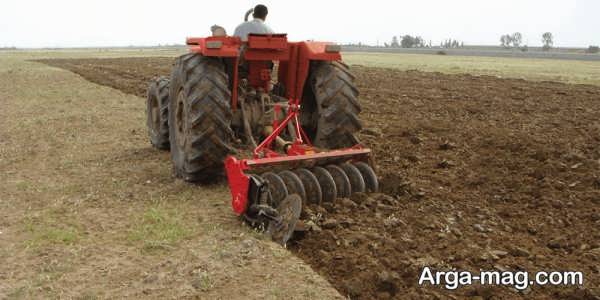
x,y
515,40
409,41
507,41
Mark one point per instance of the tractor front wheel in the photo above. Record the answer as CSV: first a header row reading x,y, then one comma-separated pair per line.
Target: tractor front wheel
x,y
330,106
199,117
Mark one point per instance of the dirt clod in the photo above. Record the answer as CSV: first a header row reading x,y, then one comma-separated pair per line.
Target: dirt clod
x,y
330,224
520,252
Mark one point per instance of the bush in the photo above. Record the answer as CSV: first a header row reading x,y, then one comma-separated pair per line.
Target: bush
x,y
441,52
593,49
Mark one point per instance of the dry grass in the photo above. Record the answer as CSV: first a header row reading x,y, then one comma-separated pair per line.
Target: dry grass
x,y
89,210
585,72
570,71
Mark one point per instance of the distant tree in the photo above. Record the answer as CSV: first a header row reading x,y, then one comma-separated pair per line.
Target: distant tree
x,y
419,42
386,45
547,40
451,43
593,49
505,40
525,48
409,41
395,43
517,39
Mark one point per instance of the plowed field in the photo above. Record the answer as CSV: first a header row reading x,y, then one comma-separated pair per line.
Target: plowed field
x,y
478,173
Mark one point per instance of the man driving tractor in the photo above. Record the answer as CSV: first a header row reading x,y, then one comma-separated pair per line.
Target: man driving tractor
x,y
257,25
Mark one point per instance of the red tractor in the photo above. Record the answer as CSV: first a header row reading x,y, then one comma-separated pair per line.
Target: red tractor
x,y
290,109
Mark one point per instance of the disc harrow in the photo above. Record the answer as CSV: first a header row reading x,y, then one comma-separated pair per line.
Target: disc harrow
x,y
275,190
342,182
318,185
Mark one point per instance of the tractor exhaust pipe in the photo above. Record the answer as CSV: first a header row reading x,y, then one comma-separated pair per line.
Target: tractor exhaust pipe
x,y
248,13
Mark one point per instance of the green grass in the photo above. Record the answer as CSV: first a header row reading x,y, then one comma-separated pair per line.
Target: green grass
x,y
204,282
46,235
570,71
159,229
23,185
52,228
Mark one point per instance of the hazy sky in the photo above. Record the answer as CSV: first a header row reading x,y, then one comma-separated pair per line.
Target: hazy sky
x,y
66,23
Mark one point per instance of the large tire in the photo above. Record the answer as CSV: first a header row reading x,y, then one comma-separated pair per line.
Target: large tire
x,y
199,118
157,113
330,106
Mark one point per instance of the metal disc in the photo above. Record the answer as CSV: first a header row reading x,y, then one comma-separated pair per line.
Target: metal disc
x,y
294,184
328,188
371,181
357,183
277,188
289,210
342,182
311,186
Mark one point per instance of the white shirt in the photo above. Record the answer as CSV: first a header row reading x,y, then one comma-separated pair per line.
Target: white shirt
x,y
255,26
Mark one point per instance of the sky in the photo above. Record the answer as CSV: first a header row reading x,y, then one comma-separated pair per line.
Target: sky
x,y
94,23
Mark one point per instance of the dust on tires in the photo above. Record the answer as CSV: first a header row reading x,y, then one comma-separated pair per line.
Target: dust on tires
x,y
330,106
199,118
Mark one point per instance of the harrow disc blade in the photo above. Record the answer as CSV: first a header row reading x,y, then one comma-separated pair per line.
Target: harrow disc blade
x,y
341,180
311,186
328,188
289,210
294,184
371,181
357,183
277,188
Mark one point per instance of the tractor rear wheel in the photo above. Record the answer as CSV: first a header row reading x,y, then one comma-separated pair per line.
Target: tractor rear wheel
x,y
330,108
157,112
199,117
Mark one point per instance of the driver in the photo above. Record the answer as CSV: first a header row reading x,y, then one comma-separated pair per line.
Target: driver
x,y
255,26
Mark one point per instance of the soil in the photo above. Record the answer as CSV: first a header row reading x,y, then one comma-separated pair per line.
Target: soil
x,y
477,173
90,210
